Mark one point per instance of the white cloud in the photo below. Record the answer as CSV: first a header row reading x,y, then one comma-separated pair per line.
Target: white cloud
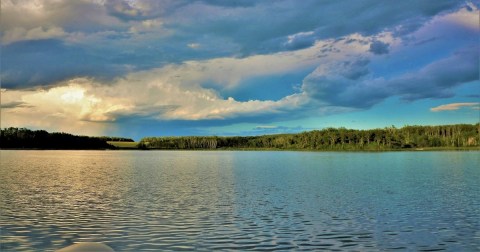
x,y
40,19
20,33
454,106
194,45
63,108
266,127
150,25
467,17
178,91
84,101
175,91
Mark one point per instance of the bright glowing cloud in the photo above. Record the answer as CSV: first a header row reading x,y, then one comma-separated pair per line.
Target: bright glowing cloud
x,y
107,64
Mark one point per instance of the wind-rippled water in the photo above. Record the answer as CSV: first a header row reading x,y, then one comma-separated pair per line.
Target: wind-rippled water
x,y
238,200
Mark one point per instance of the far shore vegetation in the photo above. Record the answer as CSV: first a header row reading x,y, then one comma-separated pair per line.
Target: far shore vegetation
x,y
442,137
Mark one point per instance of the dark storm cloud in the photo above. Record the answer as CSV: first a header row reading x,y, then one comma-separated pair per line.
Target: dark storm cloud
x,y
219,28
43,62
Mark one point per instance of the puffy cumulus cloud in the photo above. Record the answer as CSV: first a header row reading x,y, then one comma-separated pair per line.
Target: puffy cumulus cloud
x,y
42,62
455,106
137,35
449,58
68,101
349,84
284,25
137,96
135,60
61,108
229,73
437,79
338,84
159,95
459,26
464,17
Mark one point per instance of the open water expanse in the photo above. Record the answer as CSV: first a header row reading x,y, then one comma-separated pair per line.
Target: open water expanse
x,y
240,200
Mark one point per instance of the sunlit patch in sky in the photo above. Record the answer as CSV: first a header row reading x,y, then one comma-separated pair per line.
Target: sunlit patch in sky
x,y
212,67
72,96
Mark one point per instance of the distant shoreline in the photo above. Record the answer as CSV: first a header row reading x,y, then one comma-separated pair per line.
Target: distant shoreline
x,y
439,149
408,138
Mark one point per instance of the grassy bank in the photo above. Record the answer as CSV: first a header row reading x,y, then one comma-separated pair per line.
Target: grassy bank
x,y
124,145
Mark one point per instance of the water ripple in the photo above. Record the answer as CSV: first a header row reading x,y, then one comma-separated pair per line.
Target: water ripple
x,y
260,201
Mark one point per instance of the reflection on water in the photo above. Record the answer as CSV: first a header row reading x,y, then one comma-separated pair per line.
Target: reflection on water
x,y
183,200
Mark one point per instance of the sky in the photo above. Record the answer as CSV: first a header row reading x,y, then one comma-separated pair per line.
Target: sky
x,y
137,68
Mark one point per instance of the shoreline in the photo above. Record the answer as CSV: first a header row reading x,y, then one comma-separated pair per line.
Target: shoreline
x,y
439,149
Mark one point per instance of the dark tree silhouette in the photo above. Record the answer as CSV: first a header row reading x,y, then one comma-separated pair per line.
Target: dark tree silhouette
x,y
41,139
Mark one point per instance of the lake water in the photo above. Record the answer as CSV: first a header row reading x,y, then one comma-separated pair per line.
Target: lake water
x,y
240,200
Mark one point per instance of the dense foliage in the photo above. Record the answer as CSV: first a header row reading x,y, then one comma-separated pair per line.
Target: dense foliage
x,y
41,139
460,135
115,139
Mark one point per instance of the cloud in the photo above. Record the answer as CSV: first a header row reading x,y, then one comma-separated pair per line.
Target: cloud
x,y
332,84
234,4
149,34
71,16
454,106
213,62
348,84
45,62
259,30
193,91
438,78
122,9
379,47
15,104
140,96
261,127
20,33
194,45
300,40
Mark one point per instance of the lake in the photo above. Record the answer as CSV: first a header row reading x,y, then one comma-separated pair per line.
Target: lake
x,y
240,200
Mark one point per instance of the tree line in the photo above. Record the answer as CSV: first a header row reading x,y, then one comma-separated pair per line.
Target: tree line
x,y
389,138
459,135
19,138
115,139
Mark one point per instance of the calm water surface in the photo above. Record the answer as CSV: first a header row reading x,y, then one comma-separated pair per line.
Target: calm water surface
x,y
229,200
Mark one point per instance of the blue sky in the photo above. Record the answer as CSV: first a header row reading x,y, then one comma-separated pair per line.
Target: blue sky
x,y
211,67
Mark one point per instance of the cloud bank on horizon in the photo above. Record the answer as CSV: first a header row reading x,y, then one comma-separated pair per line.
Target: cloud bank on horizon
x,y
168,67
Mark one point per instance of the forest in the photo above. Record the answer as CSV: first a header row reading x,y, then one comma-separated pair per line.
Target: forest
x,y
337,139
389,138
21,138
